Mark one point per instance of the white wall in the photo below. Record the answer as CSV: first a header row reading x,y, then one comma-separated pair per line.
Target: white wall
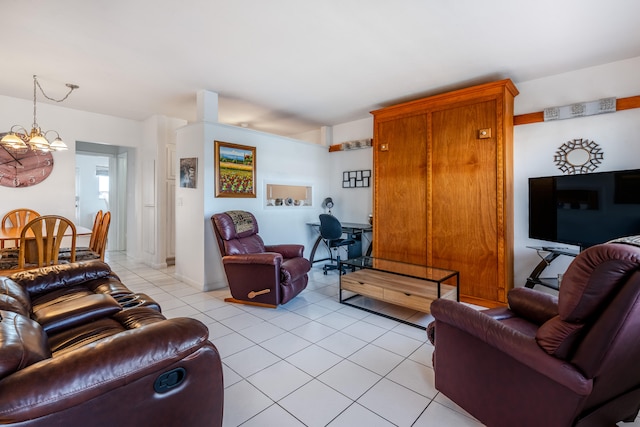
x,y
284,160
351,204
159,132
56,194
279,160
618,134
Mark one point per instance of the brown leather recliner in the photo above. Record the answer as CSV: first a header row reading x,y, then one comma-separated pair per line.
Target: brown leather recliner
x,y
570,360
257,273
78,348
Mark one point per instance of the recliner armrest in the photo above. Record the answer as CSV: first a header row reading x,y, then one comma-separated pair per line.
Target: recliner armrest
x,y
267,258
294,268
287,250
535,306
517,345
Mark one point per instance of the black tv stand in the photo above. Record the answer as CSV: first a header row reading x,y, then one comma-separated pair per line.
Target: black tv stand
x,y
551,254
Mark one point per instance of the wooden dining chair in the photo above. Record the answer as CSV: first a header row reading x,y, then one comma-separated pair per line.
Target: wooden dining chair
x,y
100,246
97,244
40,241
17,218
97,221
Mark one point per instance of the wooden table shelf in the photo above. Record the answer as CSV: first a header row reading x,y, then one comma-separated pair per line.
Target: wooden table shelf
x,y
406,285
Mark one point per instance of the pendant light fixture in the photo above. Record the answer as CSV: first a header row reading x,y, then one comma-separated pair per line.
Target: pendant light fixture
x,y
19,139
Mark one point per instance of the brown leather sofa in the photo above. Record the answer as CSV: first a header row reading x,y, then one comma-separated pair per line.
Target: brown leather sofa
x,y
570,360
257,273
78,348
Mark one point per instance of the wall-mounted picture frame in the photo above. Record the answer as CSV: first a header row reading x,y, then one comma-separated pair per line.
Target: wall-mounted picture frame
x,y
235,168
189,172
356,179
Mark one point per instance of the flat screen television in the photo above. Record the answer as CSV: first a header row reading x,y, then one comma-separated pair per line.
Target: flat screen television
x,y
585,209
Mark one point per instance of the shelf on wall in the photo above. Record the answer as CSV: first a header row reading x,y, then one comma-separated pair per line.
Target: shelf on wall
x,y
286,195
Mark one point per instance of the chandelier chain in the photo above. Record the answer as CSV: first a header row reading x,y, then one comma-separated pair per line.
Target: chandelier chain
x,y
71,87
20,140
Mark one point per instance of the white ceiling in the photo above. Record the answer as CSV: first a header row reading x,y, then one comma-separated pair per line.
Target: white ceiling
x,y
288,66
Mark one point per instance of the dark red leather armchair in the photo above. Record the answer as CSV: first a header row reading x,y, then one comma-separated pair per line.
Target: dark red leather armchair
x,y
258,274
571,360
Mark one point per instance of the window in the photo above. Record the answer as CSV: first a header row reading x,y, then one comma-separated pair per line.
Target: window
x,y
102,172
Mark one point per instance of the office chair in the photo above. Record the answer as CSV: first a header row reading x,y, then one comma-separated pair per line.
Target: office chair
x,y
331,233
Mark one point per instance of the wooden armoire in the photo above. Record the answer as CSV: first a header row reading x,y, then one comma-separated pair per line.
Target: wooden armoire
x,y
443,186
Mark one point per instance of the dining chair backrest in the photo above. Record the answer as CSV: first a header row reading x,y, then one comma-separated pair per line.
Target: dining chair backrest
x,y
46,233
96,229
100,245
18,218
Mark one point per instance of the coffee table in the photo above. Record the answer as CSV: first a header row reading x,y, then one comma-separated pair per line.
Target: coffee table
x,y
407,285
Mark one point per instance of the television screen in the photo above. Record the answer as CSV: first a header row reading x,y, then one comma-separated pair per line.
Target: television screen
x,y
585,209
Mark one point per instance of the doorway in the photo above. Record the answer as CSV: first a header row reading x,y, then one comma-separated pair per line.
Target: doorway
x,y
101,176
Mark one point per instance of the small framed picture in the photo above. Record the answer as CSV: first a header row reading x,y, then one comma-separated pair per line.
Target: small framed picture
x,y
189,172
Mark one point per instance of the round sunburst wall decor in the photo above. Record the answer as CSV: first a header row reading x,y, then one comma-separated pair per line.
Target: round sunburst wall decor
x,y
578,156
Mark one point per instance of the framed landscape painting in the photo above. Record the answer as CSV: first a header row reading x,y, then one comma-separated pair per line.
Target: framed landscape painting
x,y
235,167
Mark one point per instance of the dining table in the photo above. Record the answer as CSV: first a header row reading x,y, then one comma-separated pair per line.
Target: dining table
x,y
13,233
8,234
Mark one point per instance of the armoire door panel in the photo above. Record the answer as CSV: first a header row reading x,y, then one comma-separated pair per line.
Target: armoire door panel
x,y
400,197
463,196
443,186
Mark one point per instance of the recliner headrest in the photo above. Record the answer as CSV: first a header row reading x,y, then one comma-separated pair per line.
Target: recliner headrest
x,y
593,277
235,224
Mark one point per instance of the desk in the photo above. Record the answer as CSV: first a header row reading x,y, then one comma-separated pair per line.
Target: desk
x,y
354,230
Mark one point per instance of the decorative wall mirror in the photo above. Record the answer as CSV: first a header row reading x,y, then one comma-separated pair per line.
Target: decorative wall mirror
x,y
578,156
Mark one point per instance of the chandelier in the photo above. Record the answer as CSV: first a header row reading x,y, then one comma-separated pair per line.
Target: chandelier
x,y
19,139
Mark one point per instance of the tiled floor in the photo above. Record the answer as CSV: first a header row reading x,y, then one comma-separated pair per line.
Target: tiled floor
x,y
312,362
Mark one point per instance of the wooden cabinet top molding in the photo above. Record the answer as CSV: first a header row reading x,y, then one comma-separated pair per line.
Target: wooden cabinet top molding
x,y
447,100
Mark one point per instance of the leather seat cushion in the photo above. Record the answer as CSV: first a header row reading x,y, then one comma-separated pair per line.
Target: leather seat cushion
x,y
22,343
84,334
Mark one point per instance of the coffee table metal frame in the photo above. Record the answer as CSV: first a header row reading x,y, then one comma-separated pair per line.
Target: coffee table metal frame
x,y
406,291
